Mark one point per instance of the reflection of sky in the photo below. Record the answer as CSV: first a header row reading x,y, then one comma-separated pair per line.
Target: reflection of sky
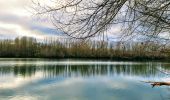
x,y
77,88
10,81
120,86
7,63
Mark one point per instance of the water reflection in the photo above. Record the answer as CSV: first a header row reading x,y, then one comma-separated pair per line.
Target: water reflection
x,y
143,70
30,80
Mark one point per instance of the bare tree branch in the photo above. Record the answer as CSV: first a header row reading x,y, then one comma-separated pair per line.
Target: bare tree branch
x,y
88,18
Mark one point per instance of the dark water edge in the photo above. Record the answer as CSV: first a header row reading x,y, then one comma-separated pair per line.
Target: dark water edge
x,y
142,59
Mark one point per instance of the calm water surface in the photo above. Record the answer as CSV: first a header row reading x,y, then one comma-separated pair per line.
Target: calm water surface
x,y
41,79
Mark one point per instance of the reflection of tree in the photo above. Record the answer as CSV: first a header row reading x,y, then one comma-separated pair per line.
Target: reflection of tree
x,y
24,70
165,69
143,70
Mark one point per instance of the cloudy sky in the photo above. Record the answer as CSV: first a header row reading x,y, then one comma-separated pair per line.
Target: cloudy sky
x,y
17,20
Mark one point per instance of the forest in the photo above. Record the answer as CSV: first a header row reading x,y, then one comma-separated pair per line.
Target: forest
x,y
27,47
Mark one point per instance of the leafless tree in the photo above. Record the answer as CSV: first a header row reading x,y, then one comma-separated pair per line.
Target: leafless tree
x,y
88,18
83,19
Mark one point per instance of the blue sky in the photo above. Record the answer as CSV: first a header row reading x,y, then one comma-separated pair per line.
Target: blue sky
x,y
16,20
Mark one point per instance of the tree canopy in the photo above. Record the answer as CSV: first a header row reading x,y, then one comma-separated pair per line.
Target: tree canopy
x,y
87,18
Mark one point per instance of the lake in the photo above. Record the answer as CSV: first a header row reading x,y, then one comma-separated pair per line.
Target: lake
x,y
45,79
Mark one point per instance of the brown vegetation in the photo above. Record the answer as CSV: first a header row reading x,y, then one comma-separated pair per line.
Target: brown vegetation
x,y
66,48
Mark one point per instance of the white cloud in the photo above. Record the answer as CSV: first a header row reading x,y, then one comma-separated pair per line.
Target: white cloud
x,y
18,30
16,20
17,7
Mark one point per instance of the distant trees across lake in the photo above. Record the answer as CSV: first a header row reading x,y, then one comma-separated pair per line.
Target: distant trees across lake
x,y
26,47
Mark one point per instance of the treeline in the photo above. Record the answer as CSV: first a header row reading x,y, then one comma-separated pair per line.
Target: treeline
x,y
27,47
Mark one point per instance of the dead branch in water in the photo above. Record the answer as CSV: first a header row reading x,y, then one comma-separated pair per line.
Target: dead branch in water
x,y
157,83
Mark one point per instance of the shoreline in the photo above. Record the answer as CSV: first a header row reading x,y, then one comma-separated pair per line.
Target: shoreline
x,y
142,59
